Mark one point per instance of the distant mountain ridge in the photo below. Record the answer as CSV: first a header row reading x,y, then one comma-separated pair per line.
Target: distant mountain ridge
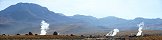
x,y
28,15
25,17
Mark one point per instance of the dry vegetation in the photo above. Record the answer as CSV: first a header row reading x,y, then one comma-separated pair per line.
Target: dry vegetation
x,y
147,38
145,32
40,37
125,35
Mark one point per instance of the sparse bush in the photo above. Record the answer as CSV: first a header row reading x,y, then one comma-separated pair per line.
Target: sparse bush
x,y
90,36
82,35
4,34
26,34
71,34
55,33
30,33
67,35
104,35
36,34
17,34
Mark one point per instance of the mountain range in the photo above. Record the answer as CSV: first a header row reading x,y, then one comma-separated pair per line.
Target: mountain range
x,y
27,17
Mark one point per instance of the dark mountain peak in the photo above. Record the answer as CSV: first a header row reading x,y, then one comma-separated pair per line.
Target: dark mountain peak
x,y
84,17
111,18
31,11
139,18
26,7
20,3
61,14
158,19
78,15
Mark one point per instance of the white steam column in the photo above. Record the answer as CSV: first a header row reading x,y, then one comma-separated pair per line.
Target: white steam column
x,y
113,33
44,27
141,25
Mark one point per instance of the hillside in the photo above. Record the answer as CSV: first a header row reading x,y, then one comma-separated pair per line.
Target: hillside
x,y
26,17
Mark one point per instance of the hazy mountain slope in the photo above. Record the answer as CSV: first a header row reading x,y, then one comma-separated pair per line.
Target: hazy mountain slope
x,y
87,19
122,24
25,17
28,16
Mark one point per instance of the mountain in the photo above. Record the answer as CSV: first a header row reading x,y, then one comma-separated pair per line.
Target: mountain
x,y
26,17
87,19
112,22
26,11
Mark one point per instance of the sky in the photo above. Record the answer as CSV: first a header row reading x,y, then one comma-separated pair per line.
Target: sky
x,y
127,9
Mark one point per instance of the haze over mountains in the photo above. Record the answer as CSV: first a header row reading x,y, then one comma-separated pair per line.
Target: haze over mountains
x,y
26,17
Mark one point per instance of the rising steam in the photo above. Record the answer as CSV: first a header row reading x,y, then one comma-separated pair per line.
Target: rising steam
x,y
113,33
141,25
44,27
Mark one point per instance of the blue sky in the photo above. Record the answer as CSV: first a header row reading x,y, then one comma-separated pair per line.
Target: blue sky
x,y
127,9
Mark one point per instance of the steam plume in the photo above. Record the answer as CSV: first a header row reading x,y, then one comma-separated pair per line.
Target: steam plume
x,y
141,25
113,33
44,27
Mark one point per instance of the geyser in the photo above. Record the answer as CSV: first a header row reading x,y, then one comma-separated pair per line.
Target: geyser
x,y
44,27
113,33
141,25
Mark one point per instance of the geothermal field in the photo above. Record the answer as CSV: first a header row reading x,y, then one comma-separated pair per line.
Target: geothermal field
x,y
112,35
82,37
80,20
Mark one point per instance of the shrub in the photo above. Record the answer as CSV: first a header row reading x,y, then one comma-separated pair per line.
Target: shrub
x,y
26,34
71,34
30,33
4,34
36,34
17,34
55,33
